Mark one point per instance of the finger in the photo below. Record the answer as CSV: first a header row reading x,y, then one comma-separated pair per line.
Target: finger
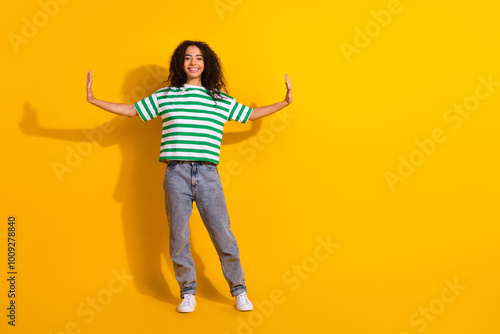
x,y
288,84
89,79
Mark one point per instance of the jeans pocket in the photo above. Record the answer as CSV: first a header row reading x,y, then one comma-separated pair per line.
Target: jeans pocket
x,y
172,165
210,167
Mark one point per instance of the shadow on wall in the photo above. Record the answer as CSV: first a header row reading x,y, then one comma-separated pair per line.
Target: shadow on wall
x,y
140,185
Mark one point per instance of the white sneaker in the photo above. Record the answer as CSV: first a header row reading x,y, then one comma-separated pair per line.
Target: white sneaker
x,y
187,305
242,303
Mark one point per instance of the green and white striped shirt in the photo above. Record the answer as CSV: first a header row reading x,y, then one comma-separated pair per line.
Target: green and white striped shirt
x,y
192,122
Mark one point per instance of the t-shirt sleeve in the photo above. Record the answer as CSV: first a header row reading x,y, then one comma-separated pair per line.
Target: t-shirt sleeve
x,y
239,112
147,108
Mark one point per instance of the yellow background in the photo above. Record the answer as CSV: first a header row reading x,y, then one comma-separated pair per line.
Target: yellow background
x,y
316,172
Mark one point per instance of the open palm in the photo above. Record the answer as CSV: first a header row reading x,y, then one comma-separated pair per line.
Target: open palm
x,y
90,95
288,97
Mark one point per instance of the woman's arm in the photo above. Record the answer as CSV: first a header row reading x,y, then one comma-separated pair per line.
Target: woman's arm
x,y
115,108
272,108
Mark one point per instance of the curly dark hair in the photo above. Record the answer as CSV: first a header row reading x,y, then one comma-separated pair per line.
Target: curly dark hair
x,y
212,78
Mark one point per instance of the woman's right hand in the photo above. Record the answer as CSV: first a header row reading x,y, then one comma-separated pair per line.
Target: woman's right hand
x,y
90,95
115,108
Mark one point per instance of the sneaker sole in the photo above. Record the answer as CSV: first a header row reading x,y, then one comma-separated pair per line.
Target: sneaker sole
x,y
184,311
243,309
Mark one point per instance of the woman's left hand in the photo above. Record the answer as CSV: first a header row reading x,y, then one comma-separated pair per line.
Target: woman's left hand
x,y
288,97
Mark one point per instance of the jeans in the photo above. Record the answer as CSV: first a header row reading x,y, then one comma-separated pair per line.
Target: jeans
x,y
185,182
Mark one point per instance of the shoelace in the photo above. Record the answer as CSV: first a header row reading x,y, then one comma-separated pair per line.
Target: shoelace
x,y
242,298
186,300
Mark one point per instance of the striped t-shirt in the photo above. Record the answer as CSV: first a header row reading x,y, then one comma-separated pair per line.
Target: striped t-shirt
x,y
192,121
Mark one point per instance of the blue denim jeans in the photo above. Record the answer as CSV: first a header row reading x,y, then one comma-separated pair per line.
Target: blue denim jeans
x,y
185,182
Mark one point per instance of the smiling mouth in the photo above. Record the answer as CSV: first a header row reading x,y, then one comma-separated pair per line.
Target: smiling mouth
x,y
193,69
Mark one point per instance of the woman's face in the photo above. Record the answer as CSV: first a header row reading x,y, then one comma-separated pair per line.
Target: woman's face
x,y
193,63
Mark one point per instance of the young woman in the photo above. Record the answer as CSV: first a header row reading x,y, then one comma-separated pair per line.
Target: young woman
x,y
194,109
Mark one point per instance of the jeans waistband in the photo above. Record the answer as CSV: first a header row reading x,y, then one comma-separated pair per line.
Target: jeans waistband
x,y
190,162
